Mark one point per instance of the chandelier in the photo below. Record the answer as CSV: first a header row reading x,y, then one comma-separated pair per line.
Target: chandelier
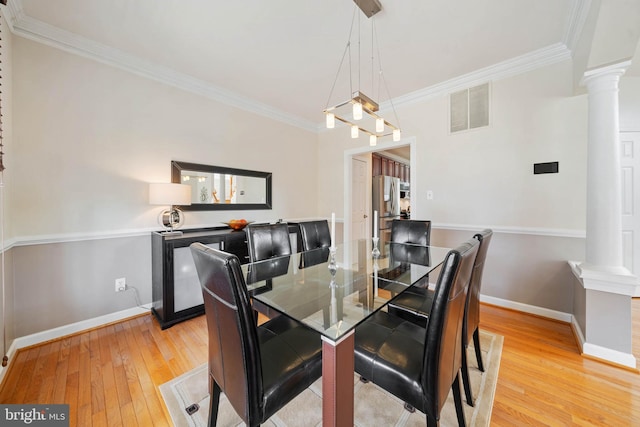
x,y
360,112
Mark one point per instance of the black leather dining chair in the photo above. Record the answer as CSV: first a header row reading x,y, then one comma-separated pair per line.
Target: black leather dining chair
x,y
259,368
267,241
411,231
415,305
315,234
420,365
316,239
471,324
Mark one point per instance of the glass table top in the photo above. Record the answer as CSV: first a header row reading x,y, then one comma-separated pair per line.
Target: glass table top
x,y
333,294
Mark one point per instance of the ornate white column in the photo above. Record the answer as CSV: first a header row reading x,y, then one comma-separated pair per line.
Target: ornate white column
x,y
604,309
604,194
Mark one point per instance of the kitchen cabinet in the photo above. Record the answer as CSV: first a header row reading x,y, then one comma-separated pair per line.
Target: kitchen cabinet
x,y
381,165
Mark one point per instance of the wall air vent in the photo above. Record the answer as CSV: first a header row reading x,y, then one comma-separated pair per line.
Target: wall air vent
x,y
469,108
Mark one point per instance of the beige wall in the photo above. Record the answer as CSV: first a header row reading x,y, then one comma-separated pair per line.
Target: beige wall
x,y
630,103
484,178
6,306
90,138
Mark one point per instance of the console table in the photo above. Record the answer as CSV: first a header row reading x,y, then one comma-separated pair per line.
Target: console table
x,y
176,291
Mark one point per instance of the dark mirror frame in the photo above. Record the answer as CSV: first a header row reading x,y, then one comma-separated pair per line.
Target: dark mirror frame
x,y
178,167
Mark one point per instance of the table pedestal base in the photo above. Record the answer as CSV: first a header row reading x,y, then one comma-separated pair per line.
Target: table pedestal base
x,y
337,381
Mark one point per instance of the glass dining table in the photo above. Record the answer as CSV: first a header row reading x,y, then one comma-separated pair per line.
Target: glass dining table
x,y
333,292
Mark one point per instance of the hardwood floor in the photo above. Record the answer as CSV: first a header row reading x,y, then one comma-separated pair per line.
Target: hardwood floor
x,y
110,376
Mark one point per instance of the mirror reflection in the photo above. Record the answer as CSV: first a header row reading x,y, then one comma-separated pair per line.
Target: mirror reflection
x,y
224,188
217,188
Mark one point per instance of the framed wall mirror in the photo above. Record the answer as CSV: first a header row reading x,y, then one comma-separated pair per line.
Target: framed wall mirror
x,y
221,188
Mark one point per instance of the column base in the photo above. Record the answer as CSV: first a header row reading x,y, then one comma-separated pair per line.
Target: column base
x,y
602,312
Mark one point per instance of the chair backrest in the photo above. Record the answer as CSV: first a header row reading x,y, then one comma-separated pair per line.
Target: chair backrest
x,y
411,231
472,310
234,351
443,344
267,241
402,253
315,234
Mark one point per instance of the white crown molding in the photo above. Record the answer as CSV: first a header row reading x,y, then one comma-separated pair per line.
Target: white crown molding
x,y
15,12
41,32
578,13
521,64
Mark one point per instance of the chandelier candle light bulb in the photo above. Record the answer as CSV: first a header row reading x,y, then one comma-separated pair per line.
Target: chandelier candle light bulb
x,y
357,111
354,131
331,120
379,124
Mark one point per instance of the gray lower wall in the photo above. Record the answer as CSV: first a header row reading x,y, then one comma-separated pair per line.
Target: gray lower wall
x,y
59,284
7,311
580,305
524,268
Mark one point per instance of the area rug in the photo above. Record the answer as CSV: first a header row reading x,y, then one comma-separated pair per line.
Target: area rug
x,y
187,399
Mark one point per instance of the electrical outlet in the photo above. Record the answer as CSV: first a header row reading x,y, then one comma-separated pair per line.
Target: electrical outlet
x,y
121,284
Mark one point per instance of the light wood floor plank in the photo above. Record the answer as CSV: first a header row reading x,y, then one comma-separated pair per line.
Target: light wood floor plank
x,y
110,375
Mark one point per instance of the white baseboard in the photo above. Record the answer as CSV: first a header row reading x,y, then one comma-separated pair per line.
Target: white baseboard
x,y
70,329
526,308
609,355
577,332
599,352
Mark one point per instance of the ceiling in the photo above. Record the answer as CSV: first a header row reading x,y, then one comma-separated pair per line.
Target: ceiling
x,y
281,57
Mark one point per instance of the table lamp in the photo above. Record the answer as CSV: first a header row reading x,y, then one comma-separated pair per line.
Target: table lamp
x,y
170,194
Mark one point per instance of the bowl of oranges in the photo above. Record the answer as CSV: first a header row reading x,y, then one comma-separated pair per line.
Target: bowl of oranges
x,y
238,224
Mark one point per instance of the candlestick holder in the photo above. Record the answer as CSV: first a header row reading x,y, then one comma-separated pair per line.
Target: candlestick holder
x,y
333,267
375,252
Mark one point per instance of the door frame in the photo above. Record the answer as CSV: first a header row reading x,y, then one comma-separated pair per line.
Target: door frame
x,y
348,190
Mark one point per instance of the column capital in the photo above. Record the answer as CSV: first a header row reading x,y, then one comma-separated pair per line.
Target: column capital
x,y
615,70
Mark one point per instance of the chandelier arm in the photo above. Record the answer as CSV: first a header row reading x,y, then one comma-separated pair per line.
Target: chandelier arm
x,y
347,48
384,82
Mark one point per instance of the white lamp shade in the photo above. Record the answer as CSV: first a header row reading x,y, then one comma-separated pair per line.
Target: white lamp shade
x,y
331,120
169,194
357,111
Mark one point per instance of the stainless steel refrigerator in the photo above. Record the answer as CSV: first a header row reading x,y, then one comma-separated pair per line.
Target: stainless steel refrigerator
x,y
386,202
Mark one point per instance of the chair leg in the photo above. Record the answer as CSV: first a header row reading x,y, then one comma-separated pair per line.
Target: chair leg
x,y
466,382
214,402
476,344
457,398
432,422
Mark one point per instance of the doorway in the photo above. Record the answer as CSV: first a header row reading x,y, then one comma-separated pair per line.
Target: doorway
x,y
630,163
361,154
